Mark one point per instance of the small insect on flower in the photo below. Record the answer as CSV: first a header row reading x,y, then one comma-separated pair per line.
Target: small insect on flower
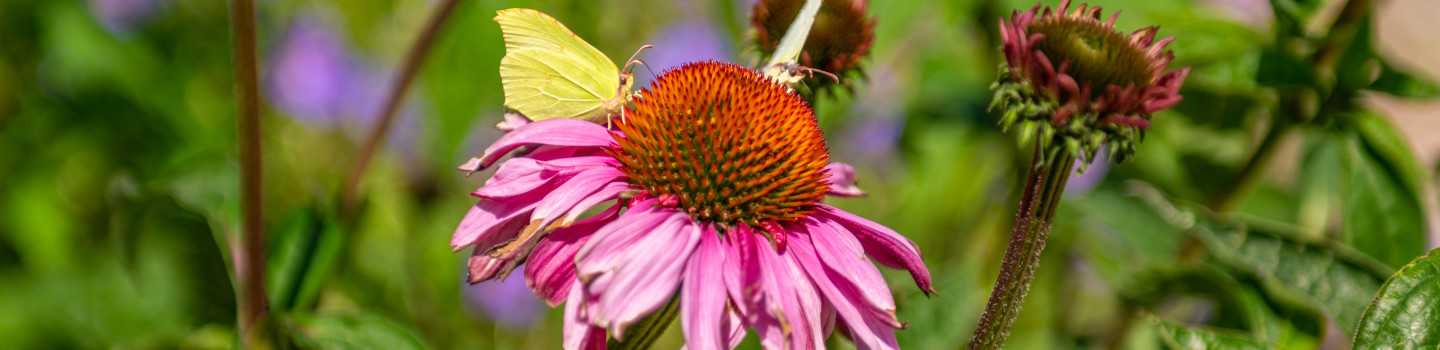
x,y
1072,77
716,178
840,37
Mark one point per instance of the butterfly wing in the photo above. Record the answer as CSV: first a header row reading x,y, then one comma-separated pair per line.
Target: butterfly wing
x,y
549,72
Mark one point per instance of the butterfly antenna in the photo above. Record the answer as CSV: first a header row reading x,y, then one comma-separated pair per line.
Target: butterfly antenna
x,y
647,67
811,73
632,59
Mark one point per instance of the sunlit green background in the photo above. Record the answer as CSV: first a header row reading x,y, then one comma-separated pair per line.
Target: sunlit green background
x,y
119,186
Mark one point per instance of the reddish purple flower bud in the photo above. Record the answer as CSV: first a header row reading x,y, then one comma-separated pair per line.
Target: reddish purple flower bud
x,y
1071,75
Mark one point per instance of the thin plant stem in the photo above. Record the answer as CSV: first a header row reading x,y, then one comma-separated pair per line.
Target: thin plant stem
x,y
399,86
644,333
1043,188
250,258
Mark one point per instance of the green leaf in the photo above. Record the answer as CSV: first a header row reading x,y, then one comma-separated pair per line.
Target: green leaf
x,y
1240,307
1362,67
1291,269
1291,16
1402,84
1359,64
352,332
1382,210
1386,143
1320,274
1283,69
1404,313
301,256
1202,338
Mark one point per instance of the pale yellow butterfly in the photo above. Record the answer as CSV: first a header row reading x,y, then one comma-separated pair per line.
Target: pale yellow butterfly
x,y
548,72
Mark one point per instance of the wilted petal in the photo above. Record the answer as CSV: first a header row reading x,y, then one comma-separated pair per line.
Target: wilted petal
x,y
482,267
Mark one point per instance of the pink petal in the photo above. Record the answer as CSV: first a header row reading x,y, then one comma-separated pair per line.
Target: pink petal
x,y
810,302
884,245
842,180
512,121
782,319
610,191
550,269
483,224
741,271
471,165
578,333
855,318
647,277
482,267
555,132
734,327
702,296
515,177
851,271
570,193
609,245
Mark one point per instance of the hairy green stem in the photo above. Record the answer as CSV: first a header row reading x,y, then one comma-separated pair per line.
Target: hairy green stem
x,y
250,258
396,96
643,334
1043,188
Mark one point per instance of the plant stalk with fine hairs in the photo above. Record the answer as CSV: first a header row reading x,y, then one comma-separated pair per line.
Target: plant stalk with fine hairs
x,y
1074,85
1043,188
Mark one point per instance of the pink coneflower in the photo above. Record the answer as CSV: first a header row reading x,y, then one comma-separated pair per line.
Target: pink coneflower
x,y
1075,76
717,173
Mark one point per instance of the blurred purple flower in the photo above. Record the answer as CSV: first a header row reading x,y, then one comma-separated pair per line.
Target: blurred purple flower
x,y
682,42
314,78
119,16
1082,183
509,302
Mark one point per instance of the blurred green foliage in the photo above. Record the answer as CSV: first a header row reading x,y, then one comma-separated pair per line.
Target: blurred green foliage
x,y
119,203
